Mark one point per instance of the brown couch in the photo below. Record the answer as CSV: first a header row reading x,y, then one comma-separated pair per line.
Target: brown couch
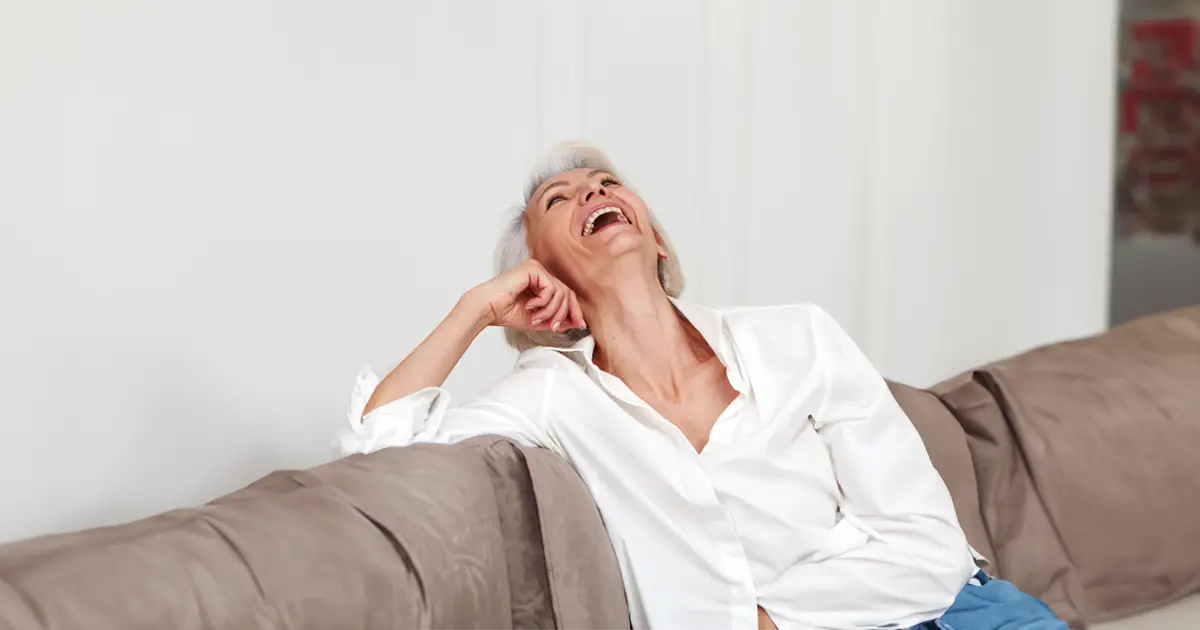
x,y
1075,468
1081,476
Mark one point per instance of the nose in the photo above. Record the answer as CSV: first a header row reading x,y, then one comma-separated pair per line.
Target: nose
x,y
593,189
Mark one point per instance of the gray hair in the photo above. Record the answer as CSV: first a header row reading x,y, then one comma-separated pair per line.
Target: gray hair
x,y
513,248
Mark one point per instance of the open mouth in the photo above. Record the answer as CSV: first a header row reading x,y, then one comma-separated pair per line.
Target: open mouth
x,y
604,217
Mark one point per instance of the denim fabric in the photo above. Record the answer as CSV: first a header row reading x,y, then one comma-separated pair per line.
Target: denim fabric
x,y
995,605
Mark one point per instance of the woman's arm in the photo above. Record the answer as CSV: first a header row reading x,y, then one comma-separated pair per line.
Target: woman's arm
x,y
917,558
430,363
526,296
878,457
410,406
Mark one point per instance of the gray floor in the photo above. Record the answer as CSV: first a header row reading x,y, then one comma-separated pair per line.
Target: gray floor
x,y
1152,274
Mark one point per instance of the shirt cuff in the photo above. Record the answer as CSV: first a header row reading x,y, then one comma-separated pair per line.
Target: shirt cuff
x,y
981,561
395,424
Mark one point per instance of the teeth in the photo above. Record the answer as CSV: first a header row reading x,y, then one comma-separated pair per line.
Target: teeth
x,y
591,220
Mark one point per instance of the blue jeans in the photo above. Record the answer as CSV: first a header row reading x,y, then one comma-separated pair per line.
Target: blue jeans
x,y
995,605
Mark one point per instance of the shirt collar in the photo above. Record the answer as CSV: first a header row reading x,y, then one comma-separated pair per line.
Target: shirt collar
x,y
709,322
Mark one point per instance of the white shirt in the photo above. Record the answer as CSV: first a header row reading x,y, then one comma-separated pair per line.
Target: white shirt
x,y
813,498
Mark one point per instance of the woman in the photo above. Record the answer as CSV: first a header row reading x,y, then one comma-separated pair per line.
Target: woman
x,y
750,465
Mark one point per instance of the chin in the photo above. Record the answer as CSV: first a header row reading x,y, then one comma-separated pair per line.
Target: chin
x,y
624,242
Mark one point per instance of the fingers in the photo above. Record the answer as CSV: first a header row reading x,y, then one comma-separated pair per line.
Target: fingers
x,y
546,316
542,286
540,299
568,314
553,306
559,322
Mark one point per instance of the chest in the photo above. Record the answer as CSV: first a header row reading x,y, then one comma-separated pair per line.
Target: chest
x,y
694,414
765,465
598,418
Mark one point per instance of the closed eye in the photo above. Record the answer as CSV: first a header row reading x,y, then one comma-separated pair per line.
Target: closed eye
x,y
555,199
609,181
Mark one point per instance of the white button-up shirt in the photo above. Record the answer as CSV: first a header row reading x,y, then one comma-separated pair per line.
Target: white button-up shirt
x,y
814,496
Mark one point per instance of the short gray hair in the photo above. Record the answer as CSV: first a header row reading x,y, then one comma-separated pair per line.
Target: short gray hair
x,y
513,248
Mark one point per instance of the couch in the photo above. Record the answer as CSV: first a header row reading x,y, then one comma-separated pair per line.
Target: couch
x,y
1075,468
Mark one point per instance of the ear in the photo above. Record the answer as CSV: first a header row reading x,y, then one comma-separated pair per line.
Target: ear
x,y
662,246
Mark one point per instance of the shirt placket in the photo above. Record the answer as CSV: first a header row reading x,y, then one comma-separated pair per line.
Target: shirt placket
x,y
697,480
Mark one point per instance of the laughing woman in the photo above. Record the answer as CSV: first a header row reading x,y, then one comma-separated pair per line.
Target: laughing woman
x,y
750,465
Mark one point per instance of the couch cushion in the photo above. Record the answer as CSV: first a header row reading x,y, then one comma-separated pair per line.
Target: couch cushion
x,y
358,543
1109,429
947,447
1180,615
1027,549
516,509
482,534
528,582
585,580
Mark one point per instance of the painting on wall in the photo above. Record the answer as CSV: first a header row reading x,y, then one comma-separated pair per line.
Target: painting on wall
x,y
1158,137
1156,244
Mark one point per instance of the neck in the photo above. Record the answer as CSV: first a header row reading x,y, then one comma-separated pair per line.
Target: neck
x,y
642,339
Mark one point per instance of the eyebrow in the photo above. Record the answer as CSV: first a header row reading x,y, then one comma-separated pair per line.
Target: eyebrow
x,y
560,182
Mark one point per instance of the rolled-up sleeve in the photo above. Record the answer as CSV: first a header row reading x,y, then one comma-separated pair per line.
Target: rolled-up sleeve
x,y
507,409
917,555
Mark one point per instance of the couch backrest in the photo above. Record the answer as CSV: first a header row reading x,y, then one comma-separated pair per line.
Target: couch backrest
x,y
1027,548
1086,454
472,535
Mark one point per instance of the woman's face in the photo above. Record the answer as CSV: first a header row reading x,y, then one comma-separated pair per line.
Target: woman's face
x,y
584,226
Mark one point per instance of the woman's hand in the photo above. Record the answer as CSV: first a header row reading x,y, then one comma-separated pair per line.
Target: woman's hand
x,y
529,298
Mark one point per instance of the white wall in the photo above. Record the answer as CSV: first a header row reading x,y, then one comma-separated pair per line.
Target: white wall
x,y
989,208
214,213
